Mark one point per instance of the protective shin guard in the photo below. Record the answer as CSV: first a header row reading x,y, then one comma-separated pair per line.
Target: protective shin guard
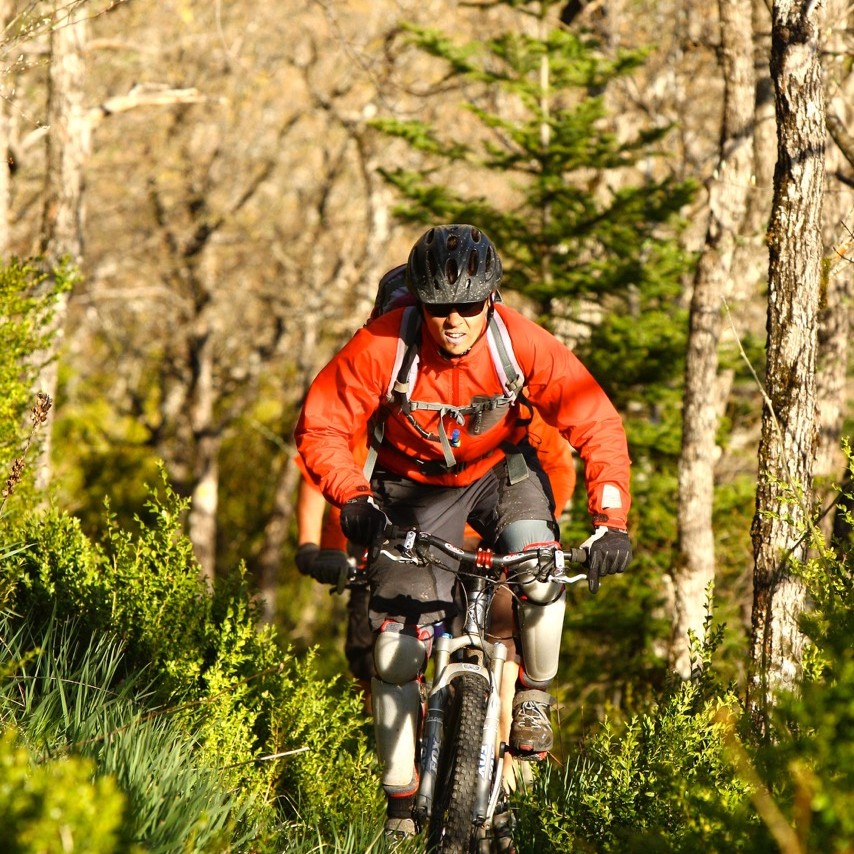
x,y
396,709
541,627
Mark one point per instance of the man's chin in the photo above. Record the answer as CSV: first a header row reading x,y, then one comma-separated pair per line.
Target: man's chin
x,y
456,347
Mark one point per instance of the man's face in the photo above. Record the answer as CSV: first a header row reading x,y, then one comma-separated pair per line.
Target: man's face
x,y
456,327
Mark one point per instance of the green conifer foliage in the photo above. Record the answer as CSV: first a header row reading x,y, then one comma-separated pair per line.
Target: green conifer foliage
x,y
587,223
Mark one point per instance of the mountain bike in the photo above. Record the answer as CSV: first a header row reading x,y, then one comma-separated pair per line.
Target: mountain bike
x,y
459,758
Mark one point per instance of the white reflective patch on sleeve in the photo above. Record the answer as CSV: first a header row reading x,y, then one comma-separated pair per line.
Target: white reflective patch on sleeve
x,y
611,496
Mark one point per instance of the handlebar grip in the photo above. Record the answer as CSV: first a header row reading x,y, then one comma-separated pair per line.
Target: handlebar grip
x,y
577,555
395,532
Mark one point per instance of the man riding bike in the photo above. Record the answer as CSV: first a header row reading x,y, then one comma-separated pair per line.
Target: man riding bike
x,y
454,449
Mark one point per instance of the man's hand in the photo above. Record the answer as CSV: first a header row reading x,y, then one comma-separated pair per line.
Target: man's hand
x,y
362,521
608,551
328,566
331,566
306,554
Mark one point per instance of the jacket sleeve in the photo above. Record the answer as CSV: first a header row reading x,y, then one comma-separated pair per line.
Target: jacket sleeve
x,y
569,398
337,408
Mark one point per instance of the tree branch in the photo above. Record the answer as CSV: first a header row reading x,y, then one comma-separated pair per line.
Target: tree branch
x,y
143,96
840,135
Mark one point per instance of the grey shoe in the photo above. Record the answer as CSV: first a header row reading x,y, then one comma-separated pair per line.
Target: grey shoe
x,y
399,828
531,734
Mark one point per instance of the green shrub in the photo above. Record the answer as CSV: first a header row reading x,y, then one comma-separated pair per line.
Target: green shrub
x,y
67,697
56,806
229,685
661,782
26,306
809,765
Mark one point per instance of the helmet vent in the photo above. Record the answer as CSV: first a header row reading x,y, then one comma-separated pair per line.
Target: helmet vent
x,y
453,242
490,261
452,272
473,259
432,266
475,235
430,236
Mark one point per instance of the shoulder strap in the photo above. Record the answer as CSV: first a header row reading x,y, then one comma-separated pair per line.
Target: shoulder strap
x,y
503,357
407,355
398,390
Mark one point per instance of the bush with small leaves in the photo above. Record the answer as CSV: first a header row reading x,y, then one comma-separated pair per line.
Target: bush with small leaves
x,y
57,805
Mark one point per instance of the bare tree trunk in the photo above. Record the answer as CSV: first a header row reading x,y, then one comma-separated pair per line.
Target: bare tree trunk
x,y
68,146
835,326
728,200
276,535
788,444
207,439
7,11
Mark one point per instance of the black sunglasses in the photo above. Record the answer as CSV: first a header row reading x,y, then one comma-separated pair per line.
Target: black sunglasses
x,y
463,309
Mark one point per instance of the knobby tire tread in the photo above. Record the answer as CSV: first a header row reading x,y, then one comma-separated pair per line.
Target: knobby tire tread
x,y
451,830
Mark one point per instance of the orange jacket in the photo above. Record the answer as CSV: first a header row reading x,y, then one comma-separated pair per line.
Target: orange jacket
x,y
353,386
557,459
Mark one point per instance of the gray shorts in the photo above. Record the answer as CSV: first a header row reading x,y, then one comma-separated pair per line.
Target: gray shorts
x,y
426,595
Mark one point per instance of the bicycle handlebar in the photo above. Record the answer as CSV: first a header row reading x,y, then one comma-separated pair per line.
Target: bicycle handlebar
x,y
486,558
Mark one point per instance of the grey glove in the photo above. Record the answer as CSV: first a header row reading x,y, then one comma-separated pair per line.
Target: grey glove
x,y
328,566
608,551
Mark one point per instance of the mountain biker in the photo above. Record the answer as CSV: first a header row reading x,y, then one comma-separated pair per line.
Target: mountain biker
x,y
324,554
323,551
458,451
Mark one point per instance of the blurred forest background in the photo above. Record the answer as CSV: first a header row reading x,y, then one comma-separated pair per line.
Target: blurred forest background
x,y
209,193
229,186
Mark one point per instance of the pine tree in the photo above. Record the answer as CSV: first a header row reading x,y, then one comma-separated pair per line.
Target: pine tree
x,y
587,227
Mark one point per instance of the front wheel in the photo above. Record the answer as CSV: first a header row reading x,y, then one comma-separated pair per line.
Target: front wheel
x,y
451,829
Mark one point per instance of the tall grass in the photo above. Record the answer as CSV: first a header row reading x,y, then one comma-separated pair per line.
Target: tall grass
x,y
67,696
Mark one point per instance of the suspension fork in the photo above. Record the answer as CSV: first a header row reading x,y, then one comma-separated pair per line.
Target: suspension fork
x,y
434,725
488,766
481,594
472,638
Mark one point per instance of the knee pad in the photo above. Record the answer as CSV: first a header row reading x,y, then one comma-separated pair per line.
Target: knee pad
x,y
399,656
519,537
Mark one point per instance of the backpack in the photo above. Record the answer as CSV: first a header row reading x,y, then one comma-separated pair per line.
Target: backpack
x,y
484,410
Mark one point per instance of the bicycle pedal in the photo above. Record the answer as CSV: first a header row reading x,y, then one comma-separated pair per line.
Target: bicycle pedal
x,y
528,756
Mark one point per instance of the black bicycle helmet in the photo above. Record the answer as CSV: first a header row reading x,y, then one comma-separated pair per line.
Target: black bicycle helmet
x,y
453,264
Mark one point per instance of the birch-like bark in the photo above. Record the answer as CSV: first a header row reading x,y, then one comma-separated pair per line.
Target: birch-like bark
x,y
788,444
838,219
705,391
68,147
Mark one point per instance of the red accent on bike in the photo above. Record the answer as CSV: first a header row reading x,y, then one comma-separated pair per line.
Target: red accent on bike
x,y
546,545
484,558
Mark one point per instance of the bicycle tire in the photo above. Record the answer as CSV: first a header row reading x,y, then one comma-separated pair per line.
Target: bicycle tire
x,y
451,830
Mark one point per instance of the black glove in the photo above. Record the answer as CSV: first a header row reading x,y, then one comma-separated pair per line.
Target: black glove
x,y
328,566
608,551
306,554
362,521
331,566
